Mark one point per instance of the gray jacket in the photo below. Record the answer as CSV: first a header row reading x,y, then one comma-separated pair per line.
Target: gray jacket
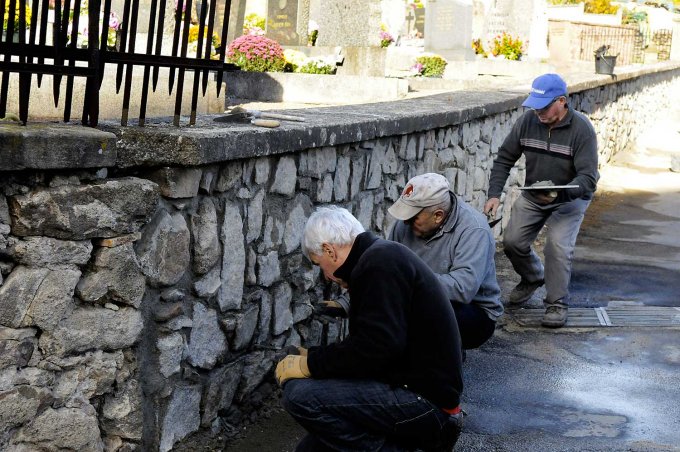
x,y
461,253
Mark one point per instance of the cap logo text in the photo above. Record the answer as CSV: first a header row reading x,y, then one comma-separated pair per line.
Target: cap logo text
x,y
537,91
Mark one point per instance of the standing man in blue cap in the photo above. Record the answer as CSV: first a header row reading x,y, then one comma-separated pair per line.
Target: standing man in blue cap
x,y
560,147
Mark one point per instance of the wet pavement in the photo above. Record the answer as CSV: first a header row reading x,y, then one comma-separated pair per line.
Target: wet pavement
x,y
593,388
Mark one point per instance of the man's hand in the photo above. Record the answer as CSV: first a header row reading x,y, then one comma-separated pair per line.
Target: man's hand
x,y
292,366
545,197
330,308
491,207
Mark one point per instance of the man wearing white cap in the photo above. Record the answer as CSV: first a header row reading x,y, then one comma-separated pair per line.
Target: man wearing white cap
x,y
560,147
456,242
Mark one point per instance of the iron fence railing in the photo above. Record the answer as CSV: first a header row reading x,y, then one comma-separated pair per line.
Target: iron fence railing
x,y
622,41
629,42
46,37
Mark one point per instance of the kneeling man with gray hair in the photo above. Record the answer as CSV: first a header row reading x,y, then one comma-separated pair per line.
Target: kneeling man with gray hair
x,y
394,383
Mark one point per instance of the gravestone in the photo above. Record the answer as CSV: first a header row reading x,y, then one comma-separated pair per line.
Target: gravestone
x,y
347,23
419,24
303,21
523,19
448,29
528,20
237,14
282,21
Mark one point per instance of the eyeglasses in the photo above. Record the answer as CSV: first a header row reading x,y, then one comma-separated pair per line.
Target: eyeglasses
x,y
541,110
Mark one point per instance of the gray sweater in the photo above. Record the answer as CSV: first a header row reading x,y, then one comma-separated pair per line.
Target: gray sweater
x,y
461,253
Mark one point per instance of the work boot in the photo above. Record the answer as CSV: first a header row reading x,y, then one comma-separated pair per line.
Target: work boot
x,y
523,291
555,316
450,433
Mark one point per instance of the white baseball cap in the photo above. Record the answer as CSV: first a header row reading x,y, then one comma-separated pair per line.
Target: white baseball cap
x,y
422,191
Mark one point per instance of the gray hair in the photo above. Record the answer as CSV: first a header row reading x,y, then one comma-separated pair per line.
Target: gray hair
x,y
333,225
444,205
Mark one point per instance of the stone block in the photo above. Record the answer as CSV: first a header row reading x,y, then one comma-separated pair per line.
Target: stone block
x,y
114,276
177,182
207,342
170,350
94,328
182,416
163,250
282,314
255,217
285,177
246,322
43,251
269,269
219,390
122,411
233,262
206,246
115,207
63,429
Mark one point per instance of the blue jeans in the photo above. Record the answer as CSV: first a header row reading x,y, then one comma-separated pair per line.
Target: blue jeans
x,y
563,221
361,415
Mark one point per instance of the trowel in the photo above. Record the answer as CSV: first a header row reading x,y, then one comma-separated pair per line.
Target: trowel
x,y
256,117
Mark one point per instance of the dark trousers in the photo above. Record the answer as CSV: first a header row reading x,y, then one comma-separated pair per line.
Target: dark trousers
x,y
361,415
475,326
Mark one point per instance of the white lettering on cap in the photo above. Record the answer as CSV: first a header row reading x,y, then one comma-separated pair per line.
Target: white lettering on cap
x,y
538,91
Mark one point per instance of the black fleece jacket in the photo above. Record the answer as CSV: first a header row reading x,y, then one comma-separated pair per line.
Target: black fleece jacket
x,y
565,154
402,329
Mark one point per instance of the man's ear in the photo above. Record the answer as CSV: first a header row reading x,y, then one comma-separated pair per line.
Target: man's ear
x,y
328,250
439,215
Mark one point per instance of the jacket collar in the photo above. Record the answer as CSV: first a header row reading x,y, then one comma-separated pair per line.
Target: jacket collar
x,y
361,243
567,118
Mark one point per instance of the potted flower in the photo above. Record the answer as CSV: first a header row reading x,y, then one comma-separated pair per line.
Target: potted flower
x,y
16,20
385,39
507,46
114,31
256,53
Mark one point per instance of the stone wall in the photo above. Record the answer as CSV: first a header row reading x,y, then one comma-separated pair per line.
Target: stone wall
x,y
150,275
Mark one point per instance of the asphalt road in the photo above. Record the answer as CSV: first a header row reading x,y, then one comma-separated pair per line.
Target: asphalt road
x,y
594,388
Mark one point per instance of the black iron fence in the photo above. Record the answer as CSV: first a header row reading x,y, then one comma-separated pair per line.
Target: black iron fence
x,y
46,37
629,42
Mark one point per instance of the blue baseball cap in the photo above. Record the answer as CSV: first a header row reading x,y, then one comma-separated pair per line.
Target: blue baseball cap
x,y
544,89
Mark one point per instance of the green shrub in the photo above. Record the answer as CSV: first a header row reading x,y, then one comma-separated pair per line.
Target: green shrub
x,y
256,54
317,66
431,65
600,7
632,17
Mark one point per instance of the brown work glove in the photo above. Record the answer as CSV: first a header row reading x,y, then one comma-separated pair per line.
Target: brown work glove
x,y
292,366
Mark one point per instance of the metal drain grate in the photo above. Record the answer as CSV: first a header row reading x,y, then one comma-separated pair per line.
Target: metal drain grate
x,y
612,316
